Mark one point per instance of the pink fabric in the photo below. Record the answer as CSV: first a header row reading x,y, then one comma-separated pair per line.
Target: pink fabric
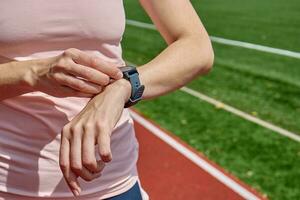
x,y
30,124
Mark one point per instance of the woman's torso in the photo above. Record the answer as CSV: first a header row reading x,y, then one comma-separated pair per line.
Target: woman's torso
x,y
30,124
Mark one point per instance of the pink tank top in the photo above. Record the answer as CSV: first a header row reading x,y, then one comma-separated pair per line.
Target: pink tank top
x,y
30,124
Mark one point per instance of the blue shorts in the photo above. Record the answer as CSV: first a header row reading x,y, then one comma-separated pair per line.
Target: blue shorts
x,y
133,193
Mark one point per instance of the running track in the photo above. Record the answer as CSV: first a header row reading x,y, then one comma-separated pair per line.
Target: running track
x,y
169,173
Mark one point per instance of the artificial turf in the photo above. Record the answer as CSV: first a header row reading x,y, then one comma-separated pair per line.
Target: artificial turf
x,y
260,83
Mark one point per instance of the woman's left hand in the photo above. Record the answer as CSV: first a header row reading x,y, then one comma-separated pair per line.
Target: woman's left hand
x,y
92,126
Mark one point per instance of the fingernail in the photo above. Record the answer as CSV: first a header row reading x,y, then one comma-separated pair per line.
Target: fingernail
x,y
76,192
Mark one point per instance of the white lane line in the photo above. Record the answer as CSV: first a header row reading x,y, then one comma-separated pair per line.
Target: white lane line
x,y
257,47
239,113
236,43
216,173
140,24
242,114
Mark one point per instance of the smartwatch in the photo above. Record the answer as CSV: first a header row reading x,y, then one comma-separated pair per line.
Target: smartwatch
x,y
131,74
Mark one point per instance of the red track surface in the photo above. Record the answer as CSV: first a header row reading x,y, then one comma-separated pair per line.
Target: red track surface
x,y
166,174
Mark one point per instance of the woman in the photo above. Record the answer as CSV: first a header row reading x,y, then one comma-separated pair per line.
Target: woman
x,y
64,130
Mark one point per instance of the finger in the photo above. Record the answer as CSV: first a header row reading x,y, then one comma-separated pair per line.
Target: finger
x,y
104,145
75,153
64,163
77,84
76,160
88,150
89,74
107,68
67,91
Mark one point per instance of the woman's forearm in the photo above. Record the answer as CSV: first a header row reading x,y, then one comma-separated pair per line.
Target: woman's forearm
x,y
15,78
73,73
189,52
177,65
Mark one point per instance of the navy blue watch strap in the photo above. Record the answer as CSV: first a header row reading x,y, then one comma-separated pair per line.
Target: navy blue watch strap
x,y
131,74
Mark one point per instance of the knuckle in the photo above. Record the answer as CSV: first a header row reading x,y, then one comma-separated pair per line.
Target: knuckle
x,y
66,53
69,52
76,166
75,129
88,162
88,126
66,130
63,166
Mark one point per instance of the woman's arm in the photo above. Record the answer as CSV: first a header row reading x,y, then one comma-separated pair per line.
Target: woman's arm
x,y
12,78
57,76
189,52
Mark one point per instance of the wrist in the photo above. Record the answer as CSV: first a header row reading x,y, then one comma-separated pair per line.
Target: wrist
x,y
23,74
37,69
119,90
123,87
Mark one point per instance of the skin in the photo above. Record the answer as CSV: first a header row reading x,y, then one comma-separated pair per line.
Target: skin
x,y
188,55
57,76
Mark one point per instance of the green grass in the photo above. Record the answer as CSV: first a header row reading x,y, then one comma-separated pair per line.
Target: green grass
x,y
273,23
255,85
252,81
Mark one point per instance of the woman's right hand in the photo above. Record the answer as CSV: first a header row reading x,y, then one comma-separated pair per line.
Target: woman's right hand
x,y
73,73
